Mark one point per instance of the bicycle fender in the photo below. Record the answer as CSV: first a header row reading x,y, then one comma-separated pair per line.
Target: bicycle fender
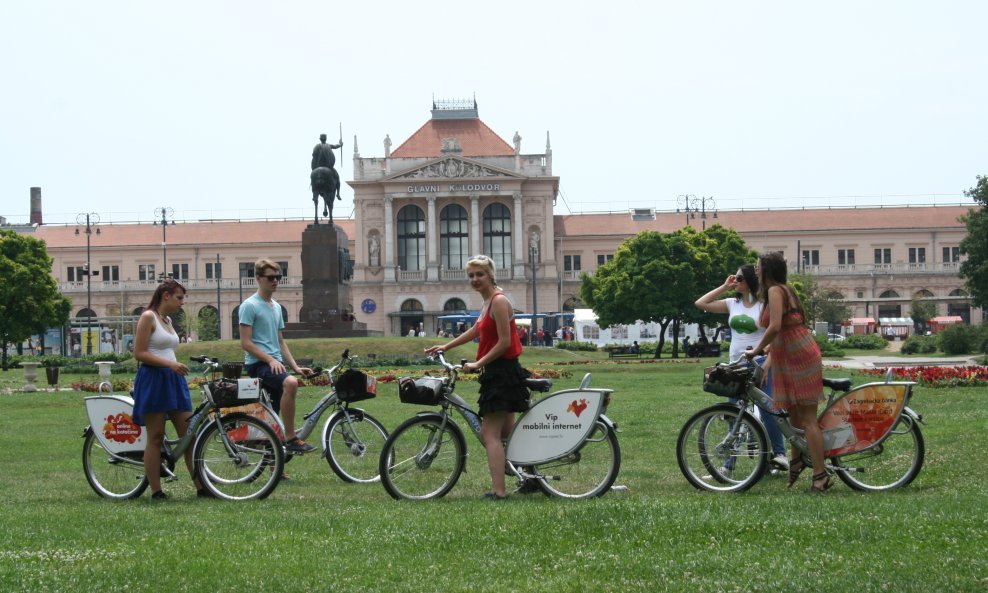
x,y
608,422
912,414
357,413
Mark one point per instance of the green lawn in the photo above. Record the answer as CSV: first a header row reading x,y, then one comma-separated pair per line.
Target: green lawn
x,y
316,533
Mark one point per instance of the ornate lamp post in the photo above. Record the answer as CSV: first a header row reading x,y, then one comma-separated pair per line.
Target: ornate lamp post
x,y
691,205
164,212
91,220
533,255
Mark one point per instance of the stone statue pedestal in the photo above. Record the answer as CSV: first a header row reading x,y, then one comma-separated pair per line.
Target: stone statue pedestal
x,y
326,308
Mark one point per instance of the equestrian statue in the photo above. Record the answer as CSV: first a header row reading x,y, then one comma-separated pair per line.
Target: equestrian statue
x,y
324,178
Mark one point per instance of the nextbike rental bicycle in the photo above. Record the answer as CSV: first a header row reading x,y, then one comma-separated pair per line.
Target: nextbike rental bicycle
x,y
564,443
352,439
872,439
230,451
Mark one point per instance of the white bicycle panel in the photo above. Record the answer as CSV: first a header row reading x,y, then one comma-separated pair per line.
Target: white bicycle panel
x,y
554,426
110,417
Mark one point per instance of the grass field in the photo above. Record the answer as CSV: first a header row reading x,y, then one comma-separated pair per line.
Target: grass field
x,y
316,533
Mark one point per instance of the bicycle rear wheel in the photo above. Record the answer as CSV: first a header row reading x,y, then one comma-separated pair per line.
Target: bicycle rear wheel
x,y
721,449
893,463
111,477
587,472
422,459
353,441
239,474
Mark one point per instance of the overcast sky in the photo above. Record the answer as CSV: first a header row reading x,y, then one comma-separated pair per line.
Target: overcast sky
x,y
212,107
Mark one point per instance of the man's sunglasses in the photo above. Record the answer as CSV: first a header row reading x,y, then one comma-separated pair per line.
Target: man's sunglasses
x,y
273,277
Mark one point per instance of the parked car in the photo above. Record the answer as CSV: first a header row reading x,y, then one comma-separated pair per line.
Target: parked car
x,y
835,337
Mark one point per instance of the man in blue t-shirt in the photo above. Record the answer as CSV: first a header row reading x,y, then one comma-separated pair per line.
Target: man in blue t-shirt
x,y
266,355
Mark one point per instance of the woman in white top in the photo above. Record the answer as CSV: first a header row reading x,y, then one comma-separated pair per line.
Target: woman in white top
x,y
160,388
744,311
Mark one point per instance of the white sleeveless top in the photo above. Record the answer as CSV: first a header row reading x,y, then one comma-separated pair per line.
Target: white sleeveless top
x,y
162,342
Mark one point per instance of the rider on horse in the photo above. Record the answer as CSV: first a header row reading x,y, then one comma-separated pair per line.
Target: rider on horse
x,y
325,179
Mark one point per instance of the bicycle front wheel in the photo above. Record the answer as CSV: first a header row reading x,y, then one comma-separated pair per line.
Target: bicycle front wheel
x,y
721,449
422,459
893,463
353,441
239,458
109,476
587,472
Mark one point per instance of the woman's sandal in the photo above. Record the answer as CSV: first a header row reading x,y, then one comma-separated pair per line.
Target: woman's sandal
x,y
820,477
796,467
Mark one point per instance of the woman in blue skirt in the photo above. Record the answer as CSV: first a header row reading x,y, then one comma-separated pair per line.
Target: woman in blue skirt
x,y
160,389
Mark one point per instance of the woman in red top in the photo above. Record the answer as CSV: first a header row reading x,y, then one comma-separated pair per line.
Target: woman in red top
x,y
502,384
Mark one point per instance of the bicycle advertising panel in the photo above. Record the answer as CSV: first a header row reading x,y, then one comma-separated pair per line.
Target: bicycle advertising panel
x,y
862,417
110,417
554,426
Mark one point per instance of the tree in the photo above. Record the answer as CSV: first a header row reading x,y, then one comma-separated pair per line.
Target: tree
x,y
657,277
820,304
30,301
921,312
208,326
975,245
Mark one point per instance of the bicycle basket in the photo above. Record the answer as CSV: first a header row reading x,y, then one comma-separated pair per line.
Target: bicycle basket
x,y
354,386
725,381
427,391
226,393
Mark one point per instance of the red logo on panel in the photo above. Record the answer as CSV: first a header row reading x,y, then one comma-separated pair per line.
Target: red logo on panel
x,y
121,428
577,407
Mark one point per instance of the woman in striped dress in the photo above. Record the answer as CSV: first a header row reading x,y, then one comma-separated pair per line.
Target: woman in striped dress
x,y
797,366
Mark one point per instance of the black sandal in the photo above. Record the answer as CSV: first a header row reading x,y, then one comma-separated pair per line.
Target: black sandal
x,y
822,476
796,467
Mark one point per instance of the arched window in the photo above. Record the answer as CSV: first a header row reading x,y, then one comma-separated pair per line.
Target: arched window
x,y
411,305
573,303
454,245
454,306
411,238
137,311
958,292
497,235
84,313
889,294
923,294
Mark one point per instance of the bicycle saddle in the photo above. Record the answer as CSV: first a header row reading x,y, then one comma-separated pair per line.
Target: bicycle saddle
x,y
538,384
837,384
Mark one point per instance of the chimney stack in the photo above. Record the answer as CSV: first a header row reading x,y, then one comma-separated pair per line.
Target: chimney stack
x,y
36,206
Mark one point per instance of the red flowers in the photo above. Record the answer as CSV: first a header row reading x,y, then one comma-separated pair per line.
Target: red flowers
x,y
968,376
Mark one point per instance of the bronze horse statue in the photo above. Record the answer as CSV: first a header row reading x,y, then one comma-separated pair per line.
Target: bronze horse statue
x,y
326,184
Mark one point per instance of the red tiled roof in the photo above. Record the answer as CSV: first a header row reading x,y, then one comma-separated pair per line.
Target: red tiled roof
x,y
476,139
186,233
755,221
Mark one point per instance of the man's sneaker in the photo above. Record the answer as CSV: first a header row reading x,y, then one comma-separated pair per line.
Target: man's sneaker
x,y
297,446
780,462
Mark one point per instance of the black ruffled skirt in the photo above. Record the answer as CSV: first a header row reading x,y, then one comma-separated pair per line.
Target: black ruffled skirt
x,y
502,387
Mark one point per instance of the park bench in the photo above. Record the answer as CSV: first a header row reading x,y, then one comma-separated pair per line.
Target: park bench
x,y
623,352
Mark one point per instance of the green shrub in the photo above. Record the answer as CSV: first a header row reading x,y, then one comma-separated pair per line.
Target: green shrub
x,y
869,342
958,338
919,345
578,346
828,348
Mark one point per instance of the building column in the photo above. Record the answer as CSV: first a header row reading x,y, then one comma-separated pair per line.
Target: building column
x,y
518,236
431,241
474,224
389,241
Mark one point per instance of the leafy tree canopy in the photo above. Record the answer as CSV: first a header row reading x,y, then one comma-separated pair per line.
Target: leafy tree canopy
x,y
975,245
29,298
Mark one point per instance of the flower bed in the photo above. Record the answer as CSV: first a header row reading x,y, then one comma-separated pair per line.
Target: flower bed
x,y
967,376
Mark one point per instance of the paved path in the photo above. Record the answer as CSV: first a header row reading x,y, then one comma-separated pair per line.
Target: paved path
x,y
875,362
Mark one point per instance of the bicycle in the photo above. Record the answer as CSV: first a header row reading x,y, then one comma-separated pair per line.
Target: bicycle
x,y
351,438
872,439
230,451
564,444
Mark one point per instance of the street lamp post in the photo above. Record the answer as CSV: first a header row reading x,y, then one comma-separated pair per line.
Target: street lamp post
x,y
219,317
533,255
690,204
164,212
91,220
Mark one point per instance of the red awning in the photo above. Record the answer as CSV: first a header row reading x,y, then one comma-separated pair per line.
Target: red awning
x,y
862,321
947,319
